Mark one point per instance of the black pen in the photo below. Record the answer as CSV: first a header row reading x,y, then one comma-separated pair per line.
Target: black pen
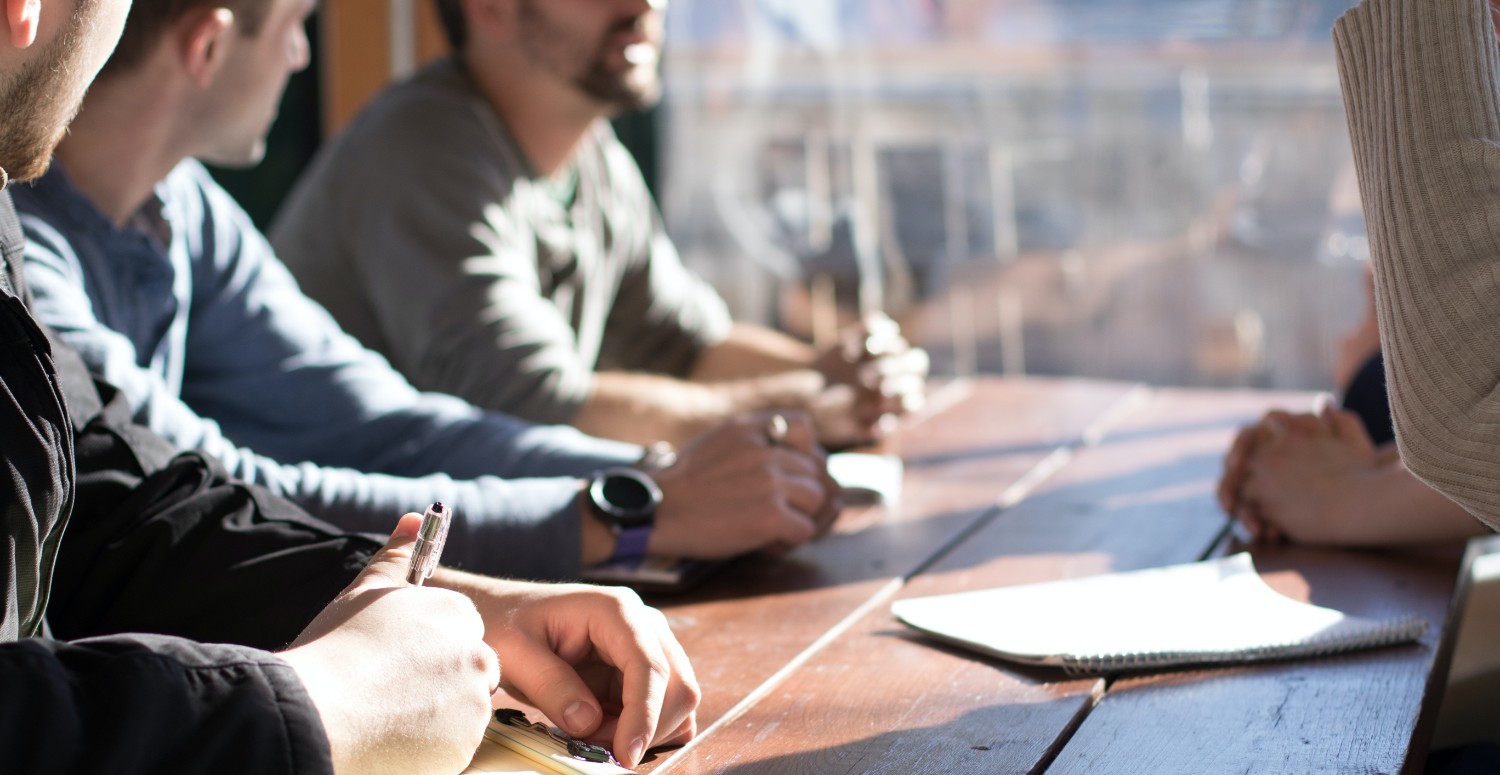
x,y
429,548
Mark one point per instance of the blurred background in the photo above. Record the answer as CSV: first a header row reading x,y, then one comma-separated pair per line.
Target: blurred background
x,y
1154,190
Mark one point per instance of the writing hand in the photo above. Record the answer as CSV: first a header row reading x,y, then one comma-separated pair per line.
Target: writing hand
x,y
401,676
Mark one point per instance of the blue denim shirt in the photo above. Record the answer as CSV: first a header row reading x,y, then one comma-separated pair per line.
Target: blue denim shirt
x,y
191,314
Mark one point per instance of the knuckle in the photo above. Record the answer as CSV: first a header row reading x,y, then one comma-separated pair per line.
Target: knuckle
x,y
796,527
624,599
658,667
689,694
485,661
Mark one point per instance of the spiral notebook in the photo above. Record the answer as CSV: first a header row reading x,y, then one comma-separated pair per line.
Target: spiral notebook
x,y
1202,613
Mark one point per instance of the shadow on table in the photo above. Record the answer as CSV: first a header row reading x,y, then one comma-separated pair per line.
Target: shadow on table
x,y
884,550
1003,738
1163,505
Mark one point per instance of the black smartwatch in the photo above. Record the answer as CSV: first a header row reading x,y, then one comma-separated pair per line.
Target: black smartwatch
x,y
625,500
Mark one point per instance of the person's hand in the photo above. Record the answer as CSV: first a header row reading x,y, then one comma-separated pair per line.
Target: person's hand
x,y
1308,478
873,375
1236,468
599,663
736,489
401,676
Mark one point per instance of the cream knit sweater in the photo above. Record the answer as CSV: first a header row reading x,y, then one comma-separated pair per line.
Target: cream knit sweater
x,y
1420,80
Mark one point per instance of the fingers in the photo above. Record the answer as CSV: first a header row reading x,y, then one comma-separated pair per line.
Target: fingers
x,y
678,722
898,370
801,480
1324,407
1254,526
874,357
489,662
804,495
894,383
810,494
828,515
1274,427
388,567
1275,424
541,676
786,428
1347,425
658,694
1235,468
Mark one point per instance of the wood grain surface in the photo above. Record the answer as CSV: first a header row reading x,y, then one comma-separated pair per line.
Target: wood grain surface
x,y
1356,713
748,622
1028,480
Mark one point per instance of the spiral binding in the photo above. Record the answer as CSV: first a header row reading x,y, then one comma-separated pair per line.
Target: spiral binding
x,y
1389,633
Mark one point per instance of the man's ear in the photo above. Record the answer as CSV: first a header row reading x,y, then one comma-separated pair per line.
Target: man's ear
x,y
202,39
21,17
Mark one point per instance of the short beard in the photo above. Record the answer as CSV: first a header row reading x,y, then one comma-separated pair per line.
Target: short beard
x,y
39,99
634,88
624,92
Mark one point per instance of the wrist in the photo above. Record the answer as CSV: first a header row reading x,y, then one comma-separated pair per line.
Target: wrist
x,y
597,541
624,501
340,730
797,389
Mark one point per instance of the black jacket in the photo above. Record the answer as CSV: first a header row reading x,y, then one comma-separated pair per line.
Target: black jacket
x,y
157,542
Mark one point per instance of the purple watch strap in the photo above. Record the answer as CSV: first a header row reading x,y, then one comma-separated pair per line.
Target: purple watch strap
x,y
631,543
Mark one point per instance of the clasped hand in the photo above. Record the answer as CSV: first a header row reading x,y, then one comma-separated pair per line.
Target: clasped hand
x,y
1292,476
872,376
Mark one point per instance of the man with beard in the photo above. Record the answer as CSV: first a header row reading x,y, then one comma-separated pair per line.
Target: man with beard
x,y
481,226
109,531
159,280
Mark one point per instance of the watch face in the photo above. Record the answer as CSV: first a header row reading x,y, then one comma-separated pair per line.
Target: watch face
x,y
625,496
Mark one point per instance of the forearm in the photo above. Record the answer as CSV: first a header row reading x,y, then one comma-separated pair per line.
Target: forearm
x,y
1419,88
147,703
645,408
751,351
1405,511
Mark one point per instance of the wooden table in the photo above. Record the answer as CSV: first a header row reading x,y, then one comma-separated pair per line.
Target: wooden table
x,y
1015,481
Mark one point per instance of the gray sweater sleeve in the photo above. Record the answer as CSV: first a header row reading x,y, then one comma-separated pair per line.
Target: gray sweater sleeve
x,y
1419,81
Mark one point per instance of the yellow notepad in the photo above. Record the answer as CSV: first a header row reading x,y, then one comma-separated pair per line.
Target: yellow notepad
x,y
508,749
1211,612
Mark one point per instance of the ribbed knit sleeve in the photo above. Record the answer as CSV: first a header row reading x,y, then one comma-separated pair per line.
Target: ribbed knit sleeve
x,y
1419,81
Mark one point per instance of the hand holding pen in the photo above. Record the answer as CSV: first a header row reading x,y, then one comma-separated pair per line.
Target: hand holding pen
x,y
409,661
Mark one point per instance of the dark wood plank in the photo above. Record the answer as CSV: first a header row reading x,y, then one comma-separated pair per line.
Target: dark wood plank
x,y
879,699
752,619
1367,712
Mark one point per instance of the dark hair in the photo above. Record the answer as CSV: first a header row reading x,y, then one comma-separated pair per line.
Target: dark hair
x,y
451,14
149,19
